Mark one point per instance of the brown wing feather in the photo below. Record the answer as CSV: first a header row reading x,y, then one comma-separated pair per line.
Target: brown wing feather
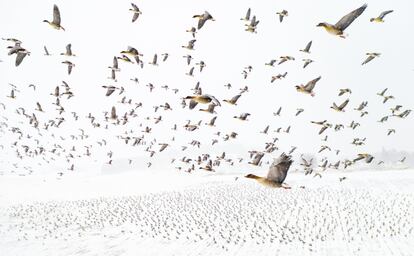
x,y
343,23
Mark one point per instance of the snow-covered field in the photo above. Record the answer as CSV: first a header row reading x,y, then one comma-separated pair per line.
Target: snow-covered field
x,y
369,213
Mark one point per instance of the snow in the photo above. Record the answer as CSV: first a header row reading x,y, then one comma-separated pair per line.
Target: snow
x,y
160,213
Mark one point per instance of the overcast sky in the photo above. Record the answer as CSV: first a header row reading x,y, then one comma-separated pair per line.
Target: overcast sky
x,y
99,30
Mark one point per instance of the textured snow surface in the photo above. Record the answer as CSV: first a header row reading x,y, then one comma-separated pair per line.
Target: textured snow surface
x,y
221,218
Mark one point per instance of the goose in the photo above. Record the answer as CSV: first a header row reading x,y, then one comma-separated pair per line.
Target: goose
x,y
277,173
339,28
68,51
371,56
55,23
202,18
136,12
381,17
308,88
282,14
307,48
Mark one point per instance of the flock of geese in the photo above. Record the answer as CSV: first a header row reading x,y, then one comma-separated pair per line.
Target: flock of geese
x,y
47,152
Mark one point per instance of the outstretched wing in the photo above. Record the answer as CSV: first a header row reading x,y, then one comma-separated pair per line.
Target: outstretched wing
x,y
384,13
308,46
19,58
235,98
368,59
192,104
343,23
343,105
279,168
68,49
248,14
56,15
203,20
311,84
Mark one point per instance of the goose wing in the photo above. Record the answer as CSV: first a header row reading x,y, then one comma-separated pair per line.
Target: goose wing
x,y
56,15
345,21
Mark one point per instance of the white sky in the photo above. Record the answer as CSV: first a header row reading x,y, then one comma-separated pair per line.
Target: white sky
x,y
99,30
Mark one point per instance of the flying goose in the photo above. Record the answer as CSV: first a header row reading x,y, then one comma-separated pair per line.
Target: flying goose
x,y
70,65
343,23
307,48
247,16
341,107
371,56
192,30
136,12
233,101
203,99
257,158
381,17
68,51
308,88
55,23
282,14
202,18
277,173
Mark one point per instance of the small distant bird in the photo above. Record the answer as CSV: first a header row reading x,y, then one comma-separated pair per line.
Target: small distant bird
x,y
113,113
278,77
298,111
368,158
242,116
383,92
192,30
277,172
257,158
283,59
154,60
164,57
266,130
212,121
39,107
233,101
114,65
386,98
343,91
307,48
203,99
277,113
202,18
210,109
247,16
341,107
202,65
190,73
70,66
46,51
282,14
308,88
55,23
380,18
390,131
190,45
396,108
371,56
20,53
383,119
271,63
252,26
343,23
136,12
68,51
307,62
